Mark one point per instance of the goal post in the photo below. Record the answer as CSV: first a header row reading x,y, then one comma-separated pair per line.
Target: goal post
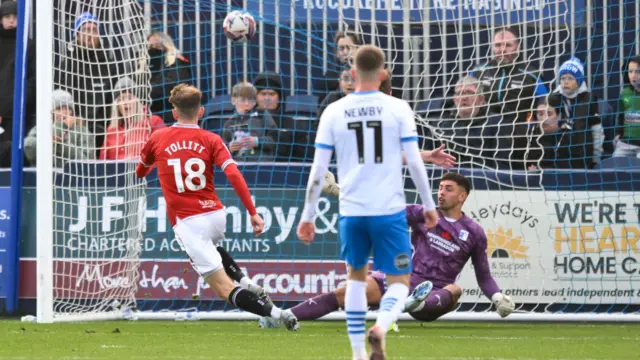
x,y
92,93
105,249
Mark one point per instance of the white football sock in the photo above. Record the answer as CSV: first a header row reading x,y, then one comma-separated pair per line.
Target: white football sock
x,y
391,305
355,305
276,312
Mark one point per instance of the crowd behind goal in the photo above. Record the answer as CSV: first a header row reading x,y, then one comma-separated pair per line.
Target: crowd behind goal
x,y
499,115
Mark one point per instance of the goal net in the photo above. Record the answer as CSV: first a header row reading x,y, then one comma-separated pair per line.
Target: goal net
x,y
562,239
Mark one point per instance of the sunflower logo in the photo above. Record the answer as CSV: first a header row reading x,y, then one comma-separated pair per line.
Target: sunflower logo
x,y
501,244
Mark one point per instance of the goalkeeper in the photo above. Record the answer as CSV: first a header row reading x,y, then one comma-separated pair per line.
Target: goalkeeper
x,y
439,256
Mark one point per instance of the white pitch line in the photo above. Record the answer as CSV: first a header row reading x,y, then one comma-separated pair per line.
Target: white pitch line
x,y
529,338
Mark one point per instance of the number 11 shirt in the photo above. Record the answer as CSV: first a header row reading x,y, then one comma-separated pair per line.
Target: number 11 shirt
x,y
366,130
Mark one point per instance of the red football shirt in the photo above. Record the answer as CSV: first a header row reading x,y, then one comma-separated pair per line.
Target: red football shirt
x,y
185,155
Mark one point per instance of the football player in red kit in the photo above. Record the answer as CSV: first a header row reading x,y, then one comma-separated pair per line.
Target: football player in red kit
x,y
185,156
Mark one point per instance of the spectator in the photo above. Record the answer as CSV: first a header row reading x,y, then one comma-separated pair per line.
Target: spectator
x,y
88,73
512,91
249,133
168,69
628,132
511,88
72,140
580,115
561,140
347,85
292,137
130,125
346,44
469,131
8,11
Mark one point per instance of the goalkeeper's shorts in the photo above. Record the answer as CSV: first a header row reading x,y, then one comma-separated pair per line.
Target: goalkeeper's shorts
x,y
385,236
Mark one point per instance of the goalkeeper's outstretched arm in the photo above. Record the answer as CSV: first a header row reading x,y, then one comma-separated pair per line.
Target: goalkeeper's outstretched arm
x,y
504,304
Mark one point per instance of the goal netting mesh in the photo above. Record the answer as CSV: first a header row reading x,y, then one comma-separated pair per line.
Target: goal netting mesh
x,y
100,115
561,238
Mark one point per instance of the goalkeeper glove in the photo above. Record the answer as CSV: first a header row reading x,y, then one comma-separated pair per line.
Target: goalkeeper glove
x,y
330,187
504,304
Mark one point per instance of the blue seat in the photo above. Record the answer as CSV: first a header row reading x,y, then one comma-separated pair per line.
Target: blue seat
x,y
216,112
218,105
431,108
305,106
620,163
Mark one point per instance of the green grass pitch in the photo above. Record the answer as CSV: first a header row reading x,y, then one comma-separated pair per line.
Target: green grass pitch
x,y
316,340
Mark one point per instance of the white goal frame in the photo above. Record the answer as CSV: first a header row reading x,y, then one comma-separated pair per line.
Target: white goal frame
x,y
45,227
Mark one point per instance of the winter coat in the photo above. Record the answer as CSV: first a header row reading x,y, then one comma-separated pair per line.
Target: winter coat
x,y
77,143
572,146
472,141
125,143
258,124
89,75
163,79
7,79
511,89
629,116
582,114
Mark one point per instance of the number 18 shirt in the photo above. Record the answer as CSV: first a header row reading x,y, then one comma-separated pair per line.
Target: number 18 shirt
x,y
366,130
185,155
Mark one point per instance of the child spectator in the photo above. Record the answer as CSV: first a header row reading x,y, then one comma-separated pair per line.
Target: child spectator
x,y
580,115
72,139
130,125
249,133
628,132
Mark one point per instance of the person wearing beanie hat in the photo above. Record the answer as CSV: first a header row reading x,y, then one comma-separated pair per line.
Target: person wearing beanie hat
x,y
571,75
269,89
72,140
9,12
61,99
130,124
86,31
580,125
292,138
88,72
124,84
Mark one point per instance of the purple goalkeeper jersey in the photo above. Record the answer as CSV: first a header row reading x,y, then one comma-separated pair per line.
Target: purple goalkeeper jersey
x,y
440,253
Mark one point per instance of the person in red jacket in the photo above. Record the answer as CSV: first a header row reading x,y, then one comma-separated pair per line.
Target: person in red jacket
x,y
130,125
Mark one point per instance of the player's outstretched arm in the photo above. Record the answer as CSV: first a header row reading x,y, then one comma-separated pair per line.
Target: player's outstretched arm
x,y
240,186
436,157
504,304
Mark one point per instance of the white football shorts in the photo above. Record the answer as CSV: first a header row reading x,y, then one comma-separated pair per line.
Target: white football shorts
x,y
199,236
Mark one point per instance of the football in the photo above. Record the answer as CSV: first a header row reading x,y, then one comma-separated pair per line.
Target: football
x,y
239,26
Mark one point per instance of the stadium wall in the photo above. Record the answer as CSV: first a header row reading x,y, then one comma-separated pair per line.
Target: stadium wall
x,y
541,248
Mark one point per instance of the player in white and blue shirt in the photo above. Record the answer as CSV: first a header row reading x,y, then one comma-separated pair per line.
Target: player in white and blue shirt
x,y
368,131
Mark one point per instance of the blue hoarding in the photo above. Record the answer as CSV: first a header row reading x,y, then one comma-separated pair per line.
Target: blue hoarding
x,y
6,264
469,11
